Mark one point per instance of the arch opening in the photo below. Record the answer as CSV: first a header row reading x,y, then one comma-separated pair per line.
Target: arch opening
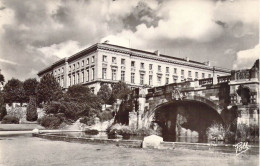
x,y
189,120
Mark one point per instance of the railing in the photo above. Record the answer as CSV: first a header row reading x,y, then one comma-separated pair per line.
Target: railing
x,y
222,79
206,81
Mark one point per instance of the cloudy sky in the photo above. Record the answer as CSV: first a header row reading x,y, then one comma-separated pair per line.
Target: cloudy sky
x,y
36,33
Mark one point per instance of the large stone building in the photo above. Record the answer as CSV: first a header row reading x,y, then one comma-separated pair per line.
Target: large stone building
x,y
106,63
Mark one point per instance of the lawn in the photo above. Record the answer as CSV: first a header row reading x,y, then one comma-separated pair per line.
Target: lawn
x,y
26,150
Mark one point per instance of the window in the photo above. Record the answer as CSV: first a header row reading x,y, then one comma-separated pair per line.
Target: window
x,y
69,80
122,61
73,80
78,65
141,79
196,74
104,73
78,78
182,72
87,61
133,78
167,80
59,71
82,76
150,66
104,58
159,80
87,75
189,73
150,80
93,59
167,69
203,75
123,76
62,70
209,76
132,63
114,60
142,65
69,68
159,68
93,74
175,70
174,80
113,74
74,66
82,63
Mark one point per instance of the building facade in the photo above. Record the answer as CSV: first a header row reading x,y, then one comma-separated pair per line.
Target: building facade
x,y
104,63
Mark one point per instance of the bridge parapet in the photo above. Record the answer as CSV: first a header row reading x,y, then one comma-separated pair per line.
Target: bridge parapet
x,y
206,81
223,79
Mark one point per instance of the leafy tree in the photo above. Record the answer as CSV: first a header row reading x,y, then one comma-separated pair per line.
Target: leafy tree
x,y
31,112
104,93
120,90
48,89
30,86
2,79
14,92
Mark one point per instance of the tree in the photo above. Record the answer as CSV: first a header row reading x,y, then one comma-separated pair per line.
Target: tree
x,y
31,112
2,79
48,89
30,86
14,92
120,90
104,93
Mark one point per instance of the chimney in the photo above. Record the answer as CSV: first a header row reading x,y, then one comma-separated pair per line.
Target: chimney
x,y
187,59
207,63
157,52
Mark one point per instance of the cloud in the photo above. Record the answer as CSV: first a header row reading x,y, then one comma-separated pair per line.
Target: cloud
x,y
62,50
8,62
246,58
35,33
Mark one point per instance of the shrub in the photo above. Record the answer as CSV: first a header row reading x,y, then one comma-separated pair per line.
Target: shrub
x,y
91,132
2,112
8,119
50,121
31,114
87,120
119,129
105,116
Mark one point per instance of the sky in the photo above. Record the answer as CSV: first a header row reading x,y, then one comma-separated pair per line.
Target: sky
x,y
36,33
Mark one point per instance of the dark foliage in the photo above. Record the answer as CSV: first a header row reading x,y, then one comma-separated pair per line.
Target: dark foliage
x,y
105,115
50,121
104,94
31,114
120,90
87,120
48,89
14,92
30,86
2,78
2,112
91,132
8,119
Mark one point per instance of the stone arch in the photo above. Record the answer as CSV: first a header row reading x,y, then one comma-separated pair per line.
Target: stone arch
x,y
193,108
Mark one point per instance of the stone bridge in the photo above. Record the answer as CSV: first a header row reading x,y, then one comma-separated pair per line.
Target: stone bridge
x,y
196,105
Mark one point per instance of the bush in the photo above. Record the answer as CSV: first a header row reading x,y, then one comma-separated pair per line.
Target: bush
x,y
50,121
105,116
8,119
31,114
91,132
87,120
2,112
119,129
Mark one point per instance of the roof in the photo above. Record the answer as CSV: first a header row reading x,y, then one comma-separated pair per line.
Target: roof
x,y
127,50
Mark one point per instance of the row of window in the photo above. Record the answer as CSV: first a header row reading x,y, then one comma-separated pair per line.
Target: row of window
x,y
114,77
59,71
77,65
81,77
159,67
